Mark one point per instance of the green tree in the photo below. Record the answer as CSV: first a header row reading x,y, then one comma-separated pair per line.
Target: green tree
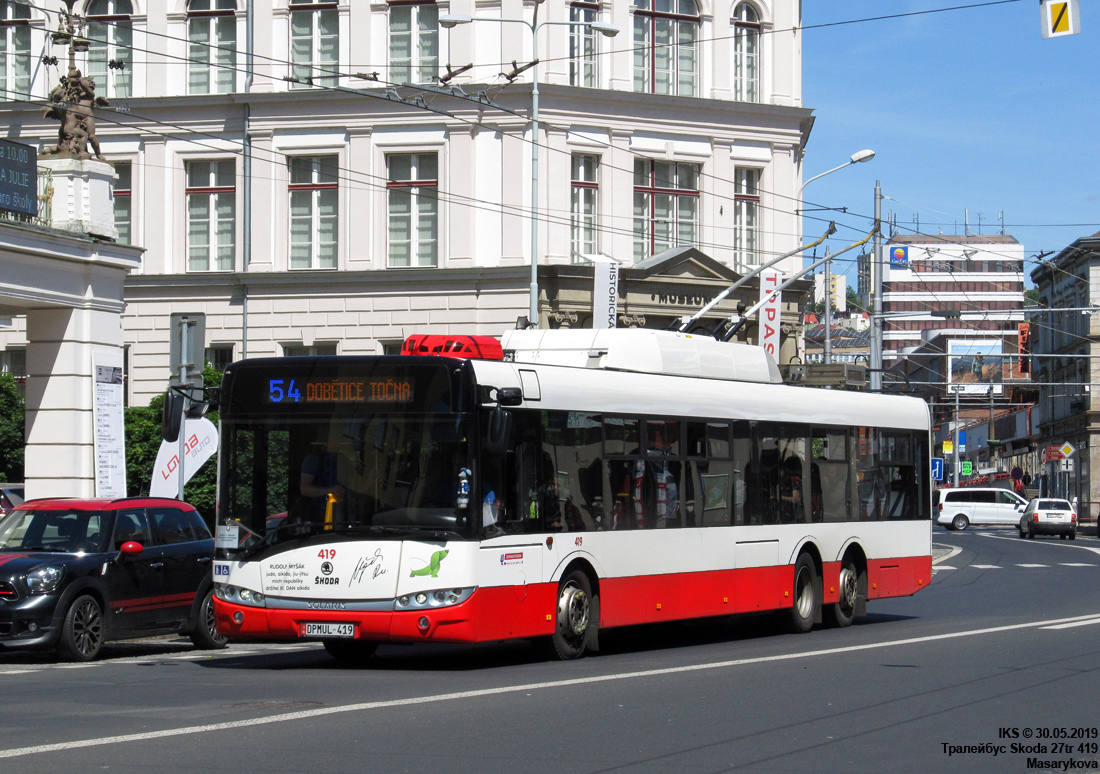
x,y
12,422
143,441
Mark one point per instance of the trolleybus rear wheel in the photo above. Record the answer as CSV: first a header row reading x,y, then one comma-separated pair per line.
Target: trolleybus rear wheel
x,y
805,594
843,612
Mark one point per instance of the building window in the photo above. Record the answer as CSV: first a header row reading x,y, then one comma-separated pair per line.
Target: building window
x,y
110,55
123,207
14,362
582,210
314,43
317,350
15,51
746,54
414,42
391,347
413,209
666,206
211,211
219,356
666,33
582,44
212,46
746,217
314,217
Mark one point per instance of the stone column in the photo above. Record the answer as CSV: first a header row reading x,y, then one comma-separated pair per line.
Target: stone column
x,y
61,342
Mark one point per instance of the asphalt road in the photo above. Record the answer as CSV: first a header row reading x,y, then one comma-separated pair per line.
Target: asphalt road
x,y
1002,649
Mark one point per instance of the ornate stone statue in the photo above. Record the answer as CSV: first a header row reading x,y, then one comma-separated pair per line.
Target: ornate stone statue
x,y
71,103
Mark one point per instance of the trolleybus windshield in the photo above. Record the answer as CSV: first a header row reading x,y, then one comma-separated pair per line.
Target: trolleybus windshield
x,y
322,446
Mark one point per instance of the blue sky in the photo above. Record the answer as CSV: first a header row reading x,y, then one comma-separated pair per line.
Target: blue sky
x,y
965,109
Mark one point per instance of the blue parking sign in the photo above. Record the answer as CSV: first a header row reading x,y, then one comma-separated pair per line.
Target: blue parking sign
x,y
937,468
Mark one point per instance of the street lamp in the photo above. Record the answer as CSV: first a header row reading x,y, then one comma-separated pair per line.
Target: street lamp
x,y
451,21
856,158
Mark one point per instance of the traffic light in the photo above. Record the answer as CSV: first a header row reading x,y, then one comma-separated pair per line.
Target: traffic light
x,y
1024,332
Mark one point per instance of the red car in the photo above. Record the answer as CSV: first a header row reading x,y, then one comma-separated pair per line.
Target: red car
x,y
75,573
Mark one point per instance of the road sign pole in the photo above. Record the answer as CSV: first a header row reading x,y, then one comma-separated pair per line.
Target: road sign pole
x,y
185,364
955,472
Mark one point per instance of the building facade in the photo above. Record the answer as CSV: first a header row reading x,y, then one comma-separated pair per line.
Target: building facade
x,y
1065,345
333,176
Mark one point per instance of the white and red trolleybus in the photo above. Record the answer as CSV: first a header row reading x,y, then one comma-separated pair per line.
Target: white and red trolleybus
x,y
589,479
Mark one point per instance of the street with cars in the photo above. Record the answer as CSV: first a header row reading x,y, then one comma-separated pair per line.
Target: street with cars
x,y
1003,642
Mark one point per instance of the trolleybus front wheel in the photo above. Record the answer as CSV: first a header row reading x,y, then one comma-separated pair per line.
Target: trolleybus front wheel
x,y
574,622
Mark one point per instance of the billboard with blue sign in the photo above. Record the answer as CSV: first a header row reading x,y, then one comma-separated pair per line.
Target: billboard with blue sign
x,y
899,256
18,178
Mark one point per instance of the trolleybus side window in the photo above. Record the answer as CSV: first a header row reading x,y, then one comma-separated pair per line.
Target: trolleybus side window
x,y
794,484
829,475
571,446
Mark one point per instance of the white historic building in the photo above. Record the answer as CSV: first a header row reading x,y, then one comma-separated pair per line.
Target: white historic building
x,y
321,176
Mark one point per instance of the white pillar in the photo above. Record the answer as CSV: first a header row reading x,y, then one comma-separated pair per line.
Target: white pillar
x,y
61,342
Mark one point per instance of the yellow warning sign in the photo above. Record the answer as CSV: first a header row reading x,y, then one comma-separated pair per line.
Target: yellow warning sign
x,y
1060,17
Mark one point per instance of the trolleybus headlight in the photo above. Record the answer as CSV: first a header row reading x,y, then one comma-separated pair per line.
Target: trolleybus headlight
x,y
434,598
250,597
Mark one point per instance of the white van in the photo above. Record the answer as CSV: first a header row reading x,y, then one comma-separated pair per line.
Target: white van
x,y
959,508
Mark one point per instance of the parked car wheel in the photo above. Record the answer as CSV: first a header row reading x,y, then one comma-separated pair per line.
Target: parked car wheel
x,y
81,631
205,636
960,522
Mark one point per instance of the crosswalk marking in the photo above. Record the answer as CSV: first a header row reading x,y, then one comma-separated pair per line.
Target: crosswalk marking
x,y
1033,565
1076,564
986,566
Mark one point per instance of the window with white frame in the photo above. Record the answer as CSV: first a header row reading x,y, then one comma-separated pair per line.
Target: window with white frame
x,y
219,356
314,212
211,46
110,54
666,58
414,41
123,207
582,44
316,350
746,217
666,206
211,213
15,51
746,54
413,206
583,204
314,43
14,362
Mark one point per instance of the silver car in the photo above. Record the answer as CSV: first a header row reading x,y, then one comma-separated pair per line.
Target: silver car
x,y
1046,516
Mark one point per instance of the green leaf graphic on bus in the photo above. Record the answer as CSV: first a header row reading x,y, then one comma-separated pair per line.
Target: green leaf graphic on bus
x,y
433,566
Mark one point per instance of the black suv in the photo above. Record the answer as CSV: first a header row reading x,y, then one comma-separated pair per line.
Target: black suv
x,y
75,573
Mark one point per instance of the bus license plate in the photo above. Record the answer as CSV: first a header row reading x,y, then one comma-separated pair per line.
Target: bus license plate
x,y
328,630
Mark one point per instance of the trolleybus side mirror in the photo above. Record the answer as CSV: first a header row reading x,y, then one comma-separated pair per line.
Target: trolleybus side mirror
x,y
509,396
498,433
171,417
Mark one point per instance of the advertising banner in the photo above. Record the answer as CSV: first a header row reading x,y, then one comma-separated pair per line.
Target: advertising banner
x,y
200,443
